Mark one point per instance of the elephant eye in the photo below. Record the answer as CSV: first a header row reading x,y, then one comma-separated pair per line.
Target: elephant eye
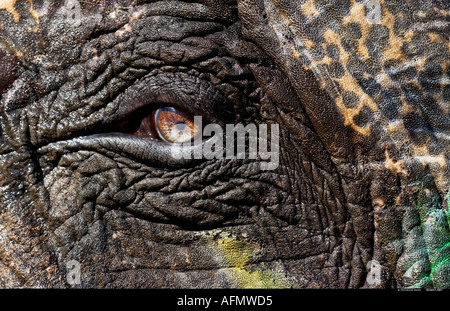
x,y
167,123
174,126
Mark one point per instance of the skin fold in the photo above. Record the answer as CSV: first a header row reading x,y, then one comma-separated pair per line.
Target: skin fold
x,y
360,92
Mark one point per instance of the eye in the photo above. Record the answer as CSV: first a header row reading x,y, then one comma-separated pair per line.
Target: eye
x,y
167,123
174,126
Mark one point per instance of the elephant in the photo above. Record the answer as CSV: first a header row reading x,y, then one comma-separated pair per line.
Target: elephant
x,y
354,96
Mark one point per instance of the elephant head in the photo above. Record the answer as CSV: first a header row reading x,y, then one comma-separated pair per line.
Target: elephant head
x,y
353,95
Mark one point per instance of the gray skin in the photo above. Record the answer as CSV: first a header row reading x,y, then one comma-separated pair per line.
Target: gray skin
x,y
359,199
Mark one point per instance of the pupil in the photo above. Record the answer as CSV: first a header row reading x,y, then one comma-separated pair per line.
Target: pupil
x,y
180,126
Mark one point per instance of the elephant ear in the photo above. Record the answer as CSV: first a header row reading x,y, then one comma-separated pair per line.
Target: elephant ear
x,y
373,77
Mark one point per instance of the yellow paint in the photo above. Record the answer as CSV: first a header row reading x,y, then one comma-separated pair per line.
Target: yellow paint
x,y
378,202
421,14
422,150
442,12
409,34
444,81
384,79
294,51
19,54
396,126
10,6
427,159
422,154
348,83
357,15
333,38
394,51
187,258
349,114
435,37
309,9
238,254
309,44
123,30
327,60
396,167
33,12
137,15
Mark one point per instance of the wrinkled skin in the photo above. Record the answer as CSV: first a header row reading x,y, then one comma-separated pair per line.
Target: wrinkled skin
x,y
364,126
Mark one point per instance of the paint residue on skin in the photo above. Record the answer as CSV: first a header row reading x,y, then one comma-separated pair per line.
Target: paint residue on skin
x,y
10,6
239,255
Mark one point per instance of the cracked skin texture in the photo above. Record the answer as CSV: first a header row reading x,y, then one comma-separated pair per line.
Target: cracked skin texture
x,y
364,126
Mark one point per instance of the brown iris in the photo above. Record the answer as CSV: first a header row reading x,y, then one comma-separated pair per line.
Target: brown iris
x,y
174,126
167,123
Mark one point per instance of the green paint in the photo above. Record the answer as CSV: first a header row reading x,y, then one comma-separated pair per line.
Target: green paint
x,y
436,234
424,282
447,212
239,254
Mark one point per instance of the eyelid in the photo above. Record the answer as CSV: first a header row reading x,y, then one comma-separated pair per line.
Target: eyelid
x,y
179,90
